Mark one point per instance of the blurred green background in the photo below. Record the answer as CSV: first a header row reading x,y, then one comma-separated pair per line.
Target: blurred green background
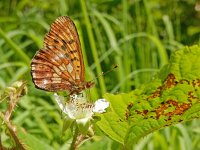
x,y
137,35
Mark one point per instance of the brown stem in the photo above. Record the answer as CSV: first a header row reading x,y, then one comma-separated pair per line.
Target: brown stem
x,y
12,104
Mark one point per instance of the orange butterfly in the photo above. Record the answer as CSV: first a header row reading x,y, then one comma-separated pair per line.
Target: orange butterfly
x,y
59,66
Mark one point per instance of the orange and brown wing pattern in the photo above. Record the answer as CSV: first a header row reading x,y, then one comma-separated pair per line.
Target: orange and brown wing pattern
x,y
64,36
59,65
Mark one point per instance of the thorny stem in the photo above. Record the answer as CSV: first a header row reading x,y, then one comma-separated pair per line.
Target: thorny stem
x,y
78,139
12,131
13,94
12,104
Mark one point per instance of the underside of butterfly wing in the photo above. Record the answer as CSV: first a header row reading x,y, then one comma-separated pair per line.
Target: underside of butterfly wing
x,y
59,65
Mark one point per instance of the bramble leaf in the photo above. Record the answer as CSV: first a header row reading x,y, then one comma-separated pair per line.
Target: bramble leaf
x,y
173,96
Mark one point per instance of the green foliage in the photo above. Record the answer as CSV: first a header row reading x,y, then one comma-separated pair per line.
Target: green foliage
x,y
138,36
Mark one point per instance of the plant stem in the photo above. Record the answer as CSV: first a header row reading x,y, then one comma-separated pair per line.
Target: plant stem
x,y
73,144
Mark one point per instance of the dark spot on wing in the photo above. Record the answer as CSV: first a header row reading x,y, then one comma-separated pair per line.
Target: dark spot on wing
x,y
64,42
71,41
55,41
67,55
63,47
56,34
75,58
73,51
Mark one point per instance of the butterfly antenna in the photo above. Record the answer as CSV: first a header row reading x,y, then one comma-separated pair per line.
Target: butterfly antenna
x,y
104,73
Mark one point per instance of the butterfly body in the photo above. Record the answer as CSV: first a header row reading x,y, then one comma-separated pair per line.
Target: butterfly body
x,y
59,66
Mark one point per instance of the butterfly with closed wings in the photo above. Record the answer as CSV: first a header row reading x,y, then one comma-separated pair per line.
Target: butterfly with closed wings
x,y
59,65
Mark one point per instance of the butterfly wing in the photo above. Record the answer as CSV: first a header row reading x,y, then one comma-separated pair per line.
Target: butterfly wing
x,y
59,65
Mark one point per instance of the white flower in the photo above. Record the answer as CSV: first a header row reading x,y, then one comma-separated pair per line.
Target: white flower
x,y
100,105
77,108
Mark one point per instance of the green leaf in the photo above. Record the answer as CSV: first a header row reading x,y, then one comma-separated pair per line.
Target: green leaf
x,y
173,96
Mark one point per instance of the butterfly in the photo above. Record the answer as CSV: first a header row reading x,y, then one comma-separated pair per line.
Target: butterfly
x,y
59,65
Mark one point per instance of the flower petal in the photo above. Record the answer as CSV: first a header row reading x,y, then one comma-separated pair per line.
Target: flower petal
x,y
100,106
61,102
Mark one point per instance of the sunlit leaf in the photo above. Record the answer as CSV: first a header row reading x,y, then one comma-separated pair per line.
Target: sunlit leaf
x,y
173,96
